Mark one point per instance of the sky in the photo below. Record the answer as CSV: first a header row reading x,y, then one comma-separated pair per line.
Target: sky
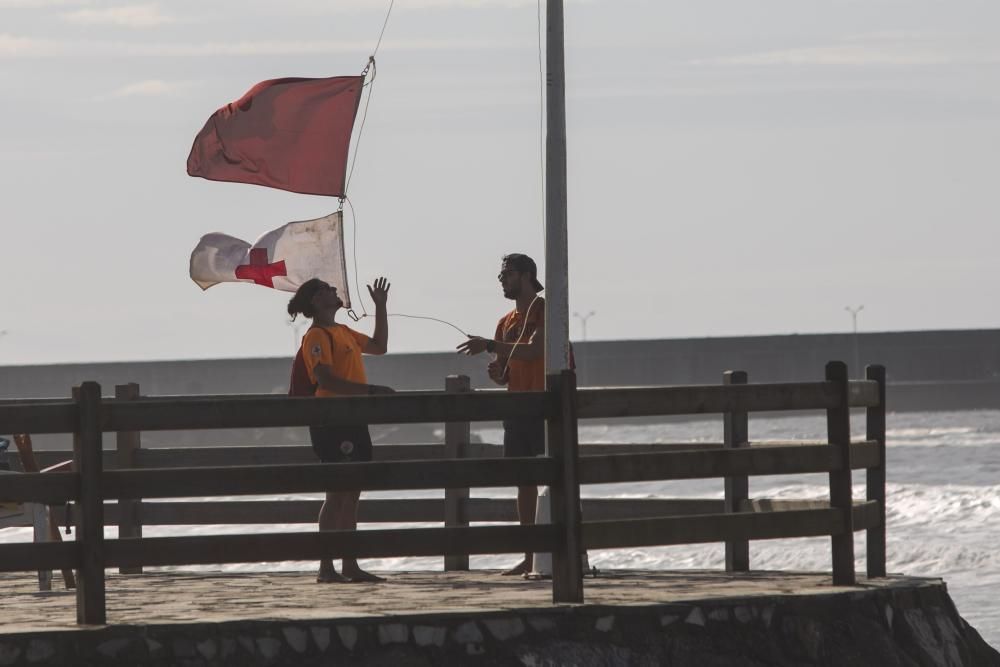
x,y
734,167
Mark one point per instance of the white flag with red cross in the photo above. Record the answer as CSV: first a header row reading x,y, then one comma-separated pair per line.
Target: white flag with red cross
x,y
282,259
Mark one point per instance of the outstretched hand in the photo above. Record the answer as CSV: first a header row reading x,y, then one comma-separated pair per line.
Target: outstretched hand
x,y
474,345
380,292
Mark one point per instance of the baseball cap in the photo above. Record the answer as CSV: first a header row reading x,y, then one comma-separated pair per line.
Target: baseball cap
x,y
516,261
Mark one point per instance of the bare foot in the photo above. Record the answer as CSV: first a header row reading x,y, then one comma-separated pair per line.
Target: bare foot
x,y
328,575
522,568
360,576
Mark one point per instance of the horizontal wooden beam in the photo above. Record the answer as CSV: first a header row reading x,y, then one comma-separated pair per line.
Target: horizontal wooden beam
x,y
49,457
711,528
270,547
43,416
862,393
757,460
184,412
28,556
192,457
431,510
386,510
864,454
596,509
866,514
616,468
704,399
370,510
640,448
51,488
308,478
260,411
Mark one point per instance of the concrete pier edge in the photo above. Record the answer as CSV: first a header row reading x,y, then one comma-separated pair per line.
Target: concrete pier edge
x,y
914,623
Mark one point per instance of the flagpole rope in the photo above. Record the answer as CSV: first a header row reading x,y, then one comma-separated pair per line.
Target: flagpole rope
x,y
384,24
354,239
364,116
371,87
433,319
357,285
361,128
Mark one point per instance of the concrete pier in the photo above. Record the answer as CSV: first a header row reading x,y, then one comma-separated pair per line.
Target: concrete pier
x,y
479,618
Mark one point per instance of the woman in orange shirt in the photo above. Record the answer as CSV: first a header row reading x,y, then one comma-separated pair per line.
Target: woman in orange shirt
x,y
332,353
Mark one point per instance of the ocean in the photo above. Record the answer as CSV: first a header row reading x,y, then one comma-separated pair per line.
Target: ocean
x,y
943,484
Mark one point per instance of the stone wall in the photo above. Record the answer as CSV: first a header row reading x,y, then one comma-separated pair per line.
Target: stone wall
x,y
909,356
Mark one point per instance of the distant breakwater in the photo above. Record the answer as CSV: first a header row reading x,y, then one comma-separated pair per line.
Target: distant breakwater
x,y
926,370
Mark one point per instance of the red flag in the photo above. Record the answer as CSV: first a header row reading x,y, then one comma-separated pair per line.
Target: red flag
x,y
291,134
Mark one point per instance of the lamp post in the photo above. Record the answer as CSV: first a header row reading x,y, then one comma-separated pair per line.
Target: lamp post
x,y
583,321
854,321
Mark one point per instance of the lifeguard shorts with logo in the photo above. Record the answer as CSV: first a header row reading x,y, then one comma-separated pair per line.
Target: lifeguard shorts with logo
x,y
341,444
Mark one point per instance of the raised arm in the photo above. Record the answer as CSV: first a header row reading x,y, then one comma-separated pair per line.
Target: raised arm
x,y
379,342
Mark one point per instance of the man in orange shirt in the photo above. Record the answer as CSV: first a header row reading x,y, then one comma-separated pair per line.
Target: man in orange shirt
x,y
332,354
519,345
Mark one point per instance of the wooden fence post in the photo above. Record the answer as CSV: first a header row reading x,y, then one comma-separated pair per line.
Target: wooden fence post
x,y
456,440
736,434
563,446
875,477
40,520
87,446
838,430
129,509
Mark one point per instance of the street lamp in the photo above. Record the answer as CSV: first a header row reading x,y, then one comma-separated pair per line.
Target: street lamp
x,y
583,321
854,321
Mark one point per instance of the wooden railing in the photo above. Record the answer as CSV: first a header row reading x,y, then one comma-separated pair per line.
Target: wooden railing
x,y
151,474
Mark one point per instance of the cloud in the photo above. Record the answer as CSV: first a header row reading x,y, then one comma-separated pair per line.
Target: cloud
x,y
899,49
12,46
853,55
150,88
134,16
41,4
259,48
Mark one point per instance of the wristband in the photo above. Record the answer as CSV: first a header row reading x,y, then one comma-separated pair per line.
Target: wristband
x,y
491,346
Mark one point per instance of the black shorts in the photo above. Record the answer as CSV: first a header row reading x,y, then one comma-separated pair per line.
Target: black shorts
x,y
341,444
523,437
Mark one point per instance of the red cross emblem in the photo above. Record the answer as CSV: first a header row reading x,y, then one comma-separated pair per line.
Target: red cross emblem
x,y
258,270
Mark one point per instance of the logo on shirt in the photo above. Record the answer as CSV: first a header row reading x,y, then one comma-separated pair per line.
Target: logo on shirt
x,y
316,350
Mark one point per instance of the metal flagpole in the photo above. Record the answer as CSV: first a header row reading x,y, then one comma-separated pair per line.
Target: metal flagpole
x,y
556,246
568,584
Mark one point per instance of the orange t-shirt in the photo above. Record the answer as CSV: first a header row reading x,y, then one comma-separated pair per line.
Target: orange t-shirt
x,y
343,357
523,375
